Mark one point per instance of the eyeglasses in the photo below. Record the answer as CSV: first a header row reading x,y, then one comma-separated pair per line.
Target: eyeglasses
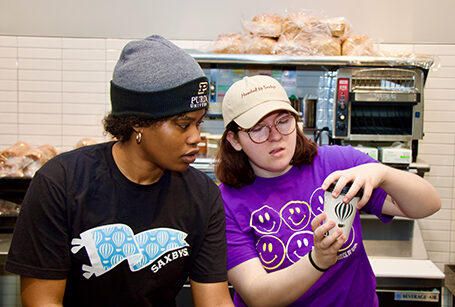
x,y
285,125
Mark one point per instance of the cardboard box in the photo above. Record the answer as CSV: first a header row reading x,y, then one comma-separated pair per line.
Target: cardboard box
x,y
395,155
371,151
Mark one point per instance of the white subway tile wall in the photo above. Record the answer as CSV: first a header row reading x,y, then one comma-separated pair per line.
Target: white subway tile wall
x,y
438,149
56,91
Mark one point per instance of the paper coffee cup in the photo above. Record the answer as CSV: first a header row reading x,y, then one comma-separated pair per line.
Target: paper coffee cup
x,y
341,213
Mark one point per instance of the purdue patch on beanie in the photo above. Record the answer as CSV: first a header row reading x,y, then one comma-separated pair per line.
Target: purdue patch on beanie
x,y
154,78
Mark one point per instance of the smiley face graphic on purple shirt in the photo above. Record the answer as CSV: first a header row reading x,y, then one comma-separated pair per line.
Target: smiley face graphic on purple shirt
x,y
296,214
265,220
317,201
271,251
299,244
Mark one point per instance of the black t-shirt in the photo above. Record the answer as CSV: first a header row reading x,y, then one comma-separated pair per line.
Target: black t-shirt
x,y
116,242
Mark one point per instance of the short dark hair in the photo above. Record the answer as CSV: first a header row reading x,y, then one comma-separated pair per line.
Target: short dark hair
x,y
233,169
122,127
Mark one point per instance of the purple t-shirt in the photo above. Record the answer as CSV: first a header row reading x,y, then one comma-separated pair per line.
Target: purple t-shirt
x,y
271,219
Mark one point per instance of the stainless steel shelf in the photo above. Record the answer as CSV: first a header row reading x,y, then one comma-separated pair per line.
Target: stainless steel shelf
x,y
420,61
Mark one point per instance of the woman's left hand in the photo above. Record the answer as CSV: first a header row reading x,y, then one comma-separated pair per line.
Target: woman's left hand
x,y
366,176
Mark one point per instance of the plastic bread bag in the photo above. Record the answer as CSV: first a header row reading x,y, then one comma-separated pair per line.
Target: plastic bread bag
x,y
338,26
31,166
325,46
304,24
13,167
13,161
85,142
40,154
16,150
231,43
24,163
423,60
359,46
48,151
293,46
268,25
259,45
34,159
3,160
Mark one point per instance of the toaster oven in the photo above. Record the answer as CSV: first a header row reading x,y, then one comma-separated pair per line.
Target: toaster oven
x,y
378,104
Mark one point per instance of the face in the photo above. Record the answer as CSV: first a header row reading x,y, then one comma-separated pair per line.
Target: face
x,y
173,144
296,214
271,251
299,244
317,201
265,220
271,158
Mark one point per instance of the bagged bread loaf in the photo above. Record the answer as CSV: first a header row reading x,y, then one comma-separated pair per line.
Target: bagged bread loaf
x,y
358,46
13,167
289,45
259,45
16,150
12,160
23,160
85,142
338,27
42,153
229,43
326,46
268,25
304,25
49,150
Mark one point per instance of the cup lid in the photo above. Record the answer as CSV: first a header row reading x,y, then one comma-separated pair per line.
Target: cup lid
x,y
345,189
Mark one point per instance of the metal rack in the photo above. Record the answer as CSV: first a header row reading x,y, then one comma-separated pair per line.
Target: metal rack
x,y
388,79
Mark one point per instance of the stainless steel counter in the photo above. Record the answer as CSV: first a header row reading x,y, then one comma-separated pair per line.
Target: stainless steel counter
x,y
5,242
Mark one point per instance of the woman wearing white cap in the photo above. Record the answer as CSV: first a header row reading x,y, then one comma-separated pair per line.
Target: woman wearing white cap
x,y
272,178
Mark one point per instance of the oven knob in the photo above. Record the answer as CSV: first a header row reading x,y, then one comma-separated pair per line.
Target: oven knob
x,y
341,126
342,117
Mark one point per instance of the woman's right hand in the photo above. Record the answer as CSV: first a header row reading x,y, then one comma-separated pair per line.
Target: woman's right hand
x,y
325,247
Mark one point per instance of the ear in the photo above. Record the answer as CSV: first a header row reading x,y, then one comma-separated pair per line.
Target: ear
x,y
137,129
233,139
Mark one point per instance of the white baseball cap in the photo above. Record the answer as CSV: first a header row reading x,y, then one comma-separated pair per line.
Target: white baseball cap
x,y
250,99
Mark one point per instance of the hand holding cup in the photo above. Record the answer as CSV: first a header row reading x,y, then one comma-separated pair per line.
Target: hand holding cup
x,y
341,213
